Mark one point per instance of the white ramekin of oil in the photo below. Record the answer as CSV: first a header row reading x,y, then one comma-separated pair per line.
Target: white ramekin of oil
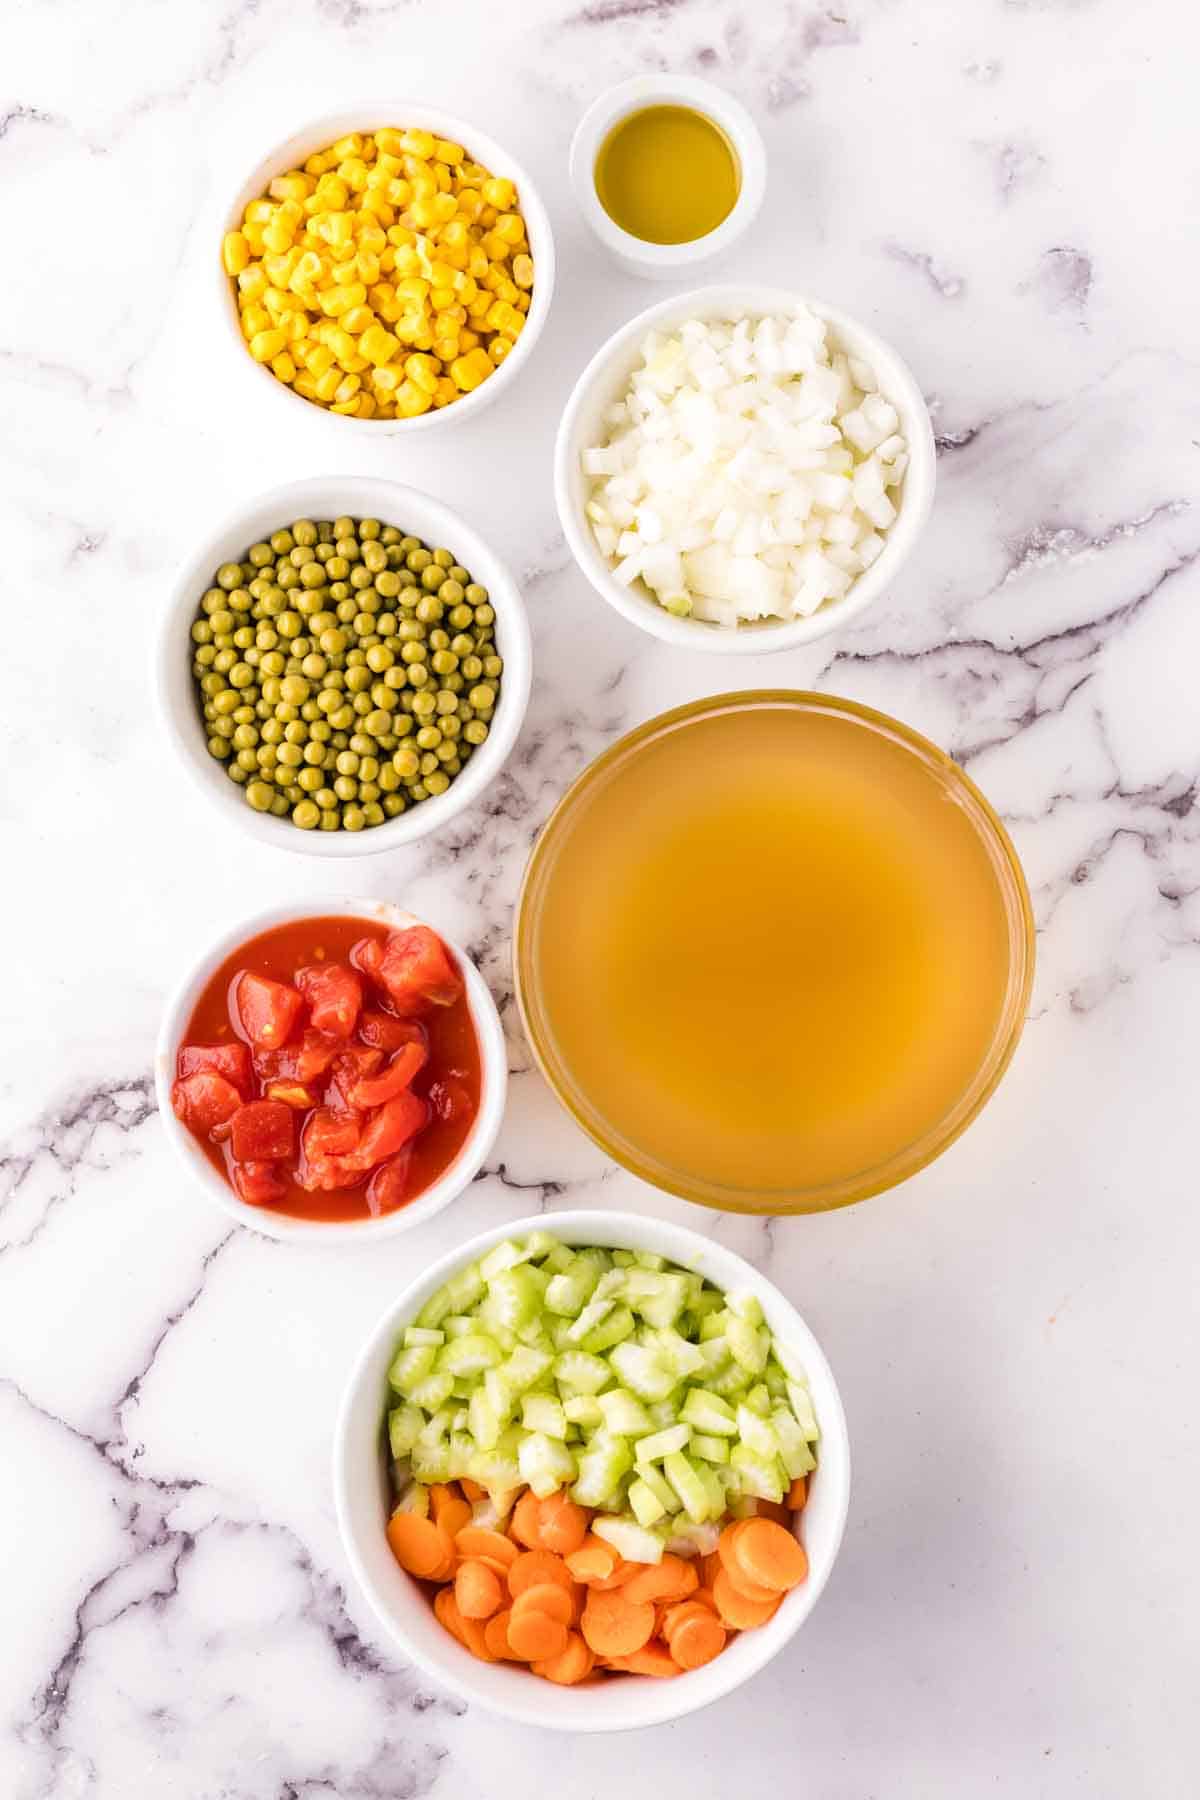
x,y
669,171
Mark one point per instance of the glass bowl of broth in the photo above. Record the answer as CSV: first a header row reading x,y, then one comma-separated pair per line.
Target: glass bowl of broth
x,y
669,171
773,951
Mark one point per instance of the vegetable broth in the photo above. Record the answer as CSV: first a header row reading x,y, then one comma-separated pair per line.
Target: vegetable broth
x,y
667,175
772,949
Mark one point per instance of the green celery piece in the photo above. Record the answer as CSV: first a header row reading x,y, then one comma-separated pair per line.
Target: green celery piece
x,y
794,1452
568,1292
583,1410
756,1433
714,1324
559,1259
801,1404
456,1325
545,1463
629,1539
541,1244
622,1259
471,1354
648,1509
410,1367
493,1470
692,1491
593,1313
486,1423
581,1373
744,1305
432,1393
776,1381
709,1449
749,1344
542,1412
414,1498
525,1367
436,1427
431,1462
603,1463
759,1476
652,1449
658,1484
649,1259
611,1331
664,1307
624,1415
404,1425
789,1360
642,1369
514,1297
714,1487
422,1334
759,1400
707,1412
500,1257
707,1300
683,1358
611,1285
729,1383
439,1303
464,1289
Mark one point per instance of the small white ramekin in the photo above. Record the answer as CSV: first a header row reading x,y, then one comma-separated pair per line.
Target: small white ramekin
x,y
399,114
325,498
493,1062
664,262
361,1494
606,380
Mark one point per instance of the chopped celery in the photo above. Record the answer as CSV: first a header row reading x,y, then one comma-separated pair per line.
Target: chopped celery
x,y
414,1499
623,1259
525,1366
569,1292
558,1260
545,1463
470,1354
421,1334
756,1433
644,1370
760,1476
759,1399
794,1452
648,1509
581,1373
624,1415
748,1344
542,1412
584,1410
504,1256
649,1259
431,1393
652,1449
744,1304
456,1325
612,1330
693,1492
629,1539
710,1480
463,1290
680,1357
411,1366
602,1464
592,1314
707,1412
711,1449
404,1427
800,1401
658,1484
431,1462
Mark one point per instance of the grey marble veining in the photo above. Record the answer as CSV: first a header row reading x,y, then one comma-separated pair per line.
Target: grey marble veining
x,y
1006,191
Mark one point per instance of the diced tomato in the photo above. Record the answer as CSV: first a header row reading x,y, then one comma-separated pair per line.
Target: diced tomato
x,y
258,1183
293,1094
266,1010
262,1132
374,1090
388,1130
388,1187
204,1100
304,1061
353,1064
230,1060
367,955
334,994
327,1134
450,1100
387,1033
417,971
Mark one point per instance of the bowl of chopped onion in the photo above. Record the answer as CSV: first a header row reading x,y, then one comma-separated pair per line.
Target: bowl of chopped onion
x,y
741,470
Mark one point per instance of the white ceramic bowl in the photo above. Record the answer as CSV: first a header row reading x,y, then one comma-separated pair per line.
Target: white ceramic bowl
x,y
493,1062
665,262
606,380
370,116
361,1494
325,498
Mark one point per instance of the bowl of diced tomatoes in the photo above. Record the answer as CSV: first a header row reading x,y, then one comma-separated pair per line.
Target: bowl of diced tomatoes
x,y
332,1070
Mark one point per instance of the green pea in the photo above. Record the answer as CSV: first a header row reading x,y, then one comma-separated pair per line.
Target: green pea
x,y
218,747
229,576
294,689
282,541
395,677
387,583
429,609
353,819
326,799
493,667
345,787
380,658
362,743
418,675
332,641
306,815
291,755
444,662
394,805
309,780
238,774
475,731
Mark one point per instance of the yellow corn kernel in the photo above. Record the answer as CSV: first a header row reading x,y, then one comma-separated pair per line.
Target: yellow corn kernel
x,y
499,348
448,320
347,408
447,348
377,211
446,391
346,389
386,380
378,345
340,300
305,386
387,260
291,214
467,340
358,320
477,263
367,265
279,267
510,228
283,366
443,177
470,370
318,358
477,306
422,372
413,288
296,326
365,405
446,151
252,283
350,145
292,186
522,300
389,140
422,339
346,274
522,271
497,248
422,214
418,143
445,207
470,205
258,212
278,303
235,252
252,231
266,344
500,193
316,164
487,217
411,400
343,346
255,318
353,171
328,384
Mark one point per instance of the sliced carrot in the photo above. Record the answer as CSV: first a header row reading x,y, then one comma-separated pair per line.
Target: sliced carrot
x,y
535,1566
670,1579
477,1540
697,1640
546,1597
494,1564
571,1665
709,1568
477,1590
447,1613
797,1494
614,1625
651,1659
562,1525
733,1570
535,1638
448,1508
495,1636
525,1520
624,1571
471,1489
737,1610
674,1616
421,1547
593,1560
704,1596
475,1638
769,1555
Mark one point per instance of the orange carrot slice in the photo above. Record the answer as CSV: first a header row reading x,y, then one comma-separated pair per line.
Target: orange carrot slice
x,y
535,1638
447,1613
477,1540
614,1625
448,1508
769,1555
571,1665
495,1636
547,1597
670,1579
475,1639
421,1547
533,1567
651,1659
562,1525
624,1571
672,1617
593,1561
471,1489
524,1524
797,1494
697,1639
737,1610
477,1591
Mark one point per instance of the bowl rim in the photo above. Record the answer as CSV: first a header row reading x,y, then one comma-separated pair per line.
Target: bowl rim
x,y
309,497
714,103
660,1701
765,636
326,128
913,1157
454,1180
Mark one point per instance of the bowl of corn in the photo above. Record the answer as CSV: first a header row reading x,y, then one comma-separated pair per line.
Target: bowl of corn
x,y
392,266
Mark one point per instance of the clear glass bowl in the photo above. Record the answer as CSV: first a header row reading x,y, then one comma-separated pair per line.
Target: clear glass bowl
x,y
853,1185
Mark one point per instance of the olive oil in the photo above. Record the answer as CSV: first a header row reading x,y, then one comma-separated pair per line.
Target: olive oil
x,y
770,949
667,175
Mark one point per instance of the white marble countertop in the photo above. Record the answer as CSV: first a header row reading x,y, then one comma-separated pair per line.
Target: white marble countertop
x,y
1001,187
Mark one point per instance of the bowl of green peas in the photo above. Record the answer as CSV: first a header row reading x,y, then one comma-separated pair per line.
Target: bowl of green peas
x,y
344,666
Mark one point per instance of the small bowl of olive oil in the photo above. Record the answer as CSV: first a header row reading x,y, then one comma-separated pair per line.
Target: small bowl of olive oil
x,y
669,172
